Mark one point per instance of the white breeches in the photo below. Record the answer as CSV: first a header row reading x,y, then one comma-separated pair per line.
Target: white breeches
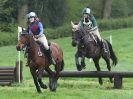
x,y
96,32
42,39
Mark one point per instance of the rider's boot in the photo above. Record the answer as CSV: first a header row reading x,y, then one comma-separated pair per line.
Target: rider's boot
x,y
103,46
51,57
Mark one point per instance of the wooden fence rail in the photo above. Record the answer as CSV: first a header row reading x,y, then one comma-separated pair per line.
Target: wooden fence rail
x,y
118,76
10,74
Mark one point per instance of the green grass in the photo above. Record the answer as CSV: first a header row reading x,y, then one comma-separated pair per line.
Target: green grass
x,y
75,88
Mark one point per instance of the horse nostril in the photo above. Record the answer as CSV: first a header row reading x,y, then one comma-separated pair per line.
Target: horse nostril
x,y
73,43
18,48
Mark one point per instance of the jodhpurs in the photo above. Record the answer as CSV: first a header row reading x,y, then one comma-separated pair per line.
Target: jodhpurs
x,y
42,39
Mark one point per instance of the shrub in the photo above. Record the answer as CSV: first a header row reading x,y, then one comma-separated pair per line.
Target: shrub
x,y
108,24
8,38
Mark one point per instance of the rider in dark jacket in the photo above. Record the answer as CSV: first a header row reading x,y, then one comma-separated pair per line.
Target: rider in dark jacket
x,y
89,24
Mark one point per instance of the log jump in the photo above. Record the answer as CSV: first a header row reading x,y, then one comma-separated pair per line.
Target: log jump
x,y
118,76
10,74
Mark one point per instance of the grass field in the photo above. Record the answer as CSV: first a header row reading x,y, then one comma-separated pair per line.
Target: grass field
x,y
75,88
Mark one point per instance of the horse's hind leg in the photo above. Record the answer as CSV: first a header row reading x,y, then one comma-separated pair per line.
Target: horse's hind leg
x,y
108,66
34,75
96,62
40,73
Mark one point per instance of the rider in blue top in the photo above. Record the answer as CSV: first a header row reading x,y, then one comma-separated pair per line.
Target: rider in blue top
x,y
40,29
36,28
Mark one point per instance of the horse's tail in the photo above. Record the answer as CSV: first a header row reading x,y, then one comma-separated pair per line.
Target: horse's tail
x,y
112,54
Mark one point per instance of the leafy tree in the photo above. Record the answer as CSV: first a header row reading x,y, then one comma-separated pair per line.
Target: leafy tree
x,y
106,11
51,12
119,8
7,11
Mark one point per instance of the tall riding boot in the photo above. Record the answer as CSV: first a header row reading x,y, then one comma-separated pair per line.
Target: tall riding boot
x,y
51,57
103,46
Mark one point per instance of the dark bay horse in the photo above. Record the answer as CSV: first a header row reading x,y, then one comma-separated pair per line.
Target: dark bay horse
x,y
88,45
39,63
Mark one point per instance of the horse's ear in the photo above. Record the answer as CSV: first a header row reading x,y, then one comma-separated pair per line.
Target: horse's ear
x,y
23,29
79,24
20,29
72,24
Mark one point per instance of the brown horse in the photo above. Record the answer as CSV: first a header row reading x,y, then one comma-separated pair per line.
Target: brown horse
x,y
39,61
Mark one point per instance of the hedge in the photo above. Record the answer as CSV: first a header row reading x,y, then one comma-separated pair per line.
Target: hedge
x,y
8,38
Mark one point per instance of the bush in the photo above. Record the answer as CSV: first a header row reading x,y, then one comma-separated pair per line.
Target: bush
x,y
108,24
104,24
8,27
8,38
62,31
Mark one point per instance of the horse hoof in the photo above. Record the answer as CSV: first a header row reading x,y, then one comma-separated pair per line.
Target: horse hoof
x,y
44,87
83,67
53,90
39,91
100,82
53,86
79,67
111,80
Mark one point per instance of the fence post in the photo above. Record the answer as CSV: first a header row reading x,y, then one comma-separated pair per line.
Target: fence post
x,y
117,81
17,72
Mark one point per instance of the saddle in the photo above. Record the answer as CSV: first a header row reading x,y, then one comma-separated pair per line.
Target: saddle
x,y
42,50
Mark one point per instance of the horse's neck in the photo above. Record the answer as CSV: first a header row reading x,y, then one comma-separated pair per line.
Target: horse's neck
x,y
33,47
89,39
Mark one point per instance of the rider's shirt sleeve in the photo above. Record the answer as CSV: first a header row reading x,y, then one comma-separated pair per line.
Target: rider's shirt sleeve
x,y
30,32
41,28
94,21
81,22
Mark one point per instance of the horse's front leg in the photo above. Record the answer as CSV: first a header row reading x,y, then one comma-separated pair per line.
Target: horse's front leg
x,y
40,74
52,79
78,65
83,62
96,61
34,75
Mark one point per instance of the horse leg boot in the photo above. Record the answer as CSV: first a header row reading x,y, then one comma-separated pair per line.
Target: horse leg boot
x,y
51,56
40,73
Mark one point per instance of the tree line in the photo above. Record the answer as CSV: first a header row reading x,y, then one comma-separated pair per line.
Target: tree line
x,y
53,12
50,12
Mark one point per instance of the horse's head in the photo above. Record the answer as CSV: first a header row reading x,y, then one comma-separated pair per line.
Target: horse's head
x,y
23,41
76,34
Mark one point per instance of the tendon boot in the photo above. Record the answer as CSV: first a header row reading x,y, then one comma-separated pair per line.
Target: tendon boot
x,y
51,57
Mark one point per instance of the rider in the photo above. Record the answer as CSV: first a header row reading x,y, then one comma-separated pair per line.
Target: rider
x,y
85,24
35,27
